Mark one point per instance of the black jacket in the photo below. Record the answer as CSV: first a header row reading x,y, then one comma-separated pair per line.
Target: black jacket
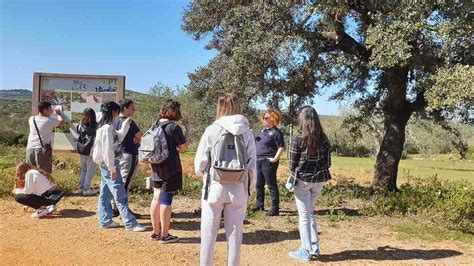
x,y
86,138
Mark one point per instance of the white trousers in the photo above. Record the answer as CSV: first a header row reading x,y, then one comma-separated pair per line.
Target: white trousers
x,y
232,198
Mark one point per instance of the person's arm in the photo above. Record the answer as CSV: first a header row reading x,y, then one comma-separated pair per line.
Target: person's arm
x,y
277,155
123,130
59,118
252,156
180,139
108,151
201,158
279,141
137,138
295,154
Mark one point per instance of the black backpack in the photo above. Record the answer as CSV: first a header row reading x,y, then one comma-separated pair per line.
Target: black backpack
x,y
85,141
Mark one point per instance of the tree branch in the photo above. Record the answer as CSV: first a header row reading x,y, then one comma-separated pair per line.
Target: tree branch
x,y
343,40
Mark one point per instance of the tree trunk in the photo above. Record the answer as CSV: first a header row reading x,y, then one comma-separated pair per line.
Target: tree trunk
x,y
396,114
388,158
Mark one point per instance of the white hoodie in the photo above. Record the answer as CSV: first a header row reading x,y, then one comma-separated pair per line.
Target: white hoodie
x,y
106,144
237,125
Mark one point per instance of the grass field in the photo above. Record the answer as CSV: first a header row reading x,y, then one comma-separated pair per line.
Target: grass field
x,y
344,202
359,169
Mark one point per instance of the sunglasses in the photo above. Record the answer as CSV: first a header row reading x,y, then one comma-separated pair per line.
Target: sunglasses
x,y
266,117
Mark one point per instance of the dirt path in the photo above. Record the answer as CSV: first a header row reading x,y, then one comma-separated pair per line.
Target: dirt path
x,y
72,236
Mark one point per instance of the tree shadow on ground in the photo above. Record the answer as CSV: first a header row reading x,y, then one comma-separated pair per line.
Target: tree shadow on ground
x,y
346,211
70,213
389,253
258,237
187,215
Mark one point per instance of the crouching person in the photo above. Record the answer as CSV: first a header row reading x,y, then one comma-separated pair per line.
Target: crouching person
x,y
34,188
226,157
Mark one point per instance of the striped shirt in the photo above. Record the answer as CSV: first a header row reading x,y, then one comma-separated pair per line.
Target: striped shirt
x,y
311,168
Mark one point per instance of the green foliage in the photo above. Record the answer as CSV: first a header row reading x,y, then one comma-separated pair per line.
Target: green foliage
x,y
344,190
453,87
450,204
386,57
430,233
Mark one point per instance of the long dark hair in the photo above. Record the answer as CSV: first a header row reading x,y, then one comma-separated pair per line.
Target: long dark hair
x,y
91,119
310,128
108,110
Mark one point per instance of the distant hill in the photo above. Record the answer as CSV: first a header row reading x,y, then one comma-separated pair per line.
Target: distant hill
x,y
17,94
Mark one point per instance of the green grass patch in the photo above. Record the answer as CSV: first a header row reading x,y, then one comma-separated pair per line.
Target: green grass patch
x,y
430,233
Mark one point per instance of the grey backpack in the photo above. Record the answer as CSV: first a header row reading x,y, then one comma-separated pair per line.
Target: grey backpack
x,y
154,147
228,159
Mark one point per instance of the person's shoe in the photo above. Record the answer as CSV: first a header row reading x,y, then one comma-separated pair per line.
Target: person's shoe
x,y
40,212
137,228
111,225
257,208
115,212
169,239
155,237
137,215
273,212
301,254
315,249
51,208
79,191
89,192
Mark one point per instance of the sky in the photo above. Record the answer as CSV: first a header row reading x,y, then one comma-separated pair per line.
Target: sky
x,y
141,40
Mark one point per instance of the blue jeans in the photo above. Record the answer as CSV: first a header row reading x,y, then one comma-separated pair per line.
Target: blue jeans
x,y
113,189
306,194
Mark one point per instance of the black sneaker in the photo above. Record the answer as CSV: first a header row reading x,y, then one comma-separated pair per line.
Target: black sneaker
x,y
169,239
273,212
137,215
155,237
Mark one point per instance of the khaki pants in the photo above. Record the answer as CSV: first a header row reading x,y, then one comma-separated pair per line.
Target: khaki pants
x,y
37,158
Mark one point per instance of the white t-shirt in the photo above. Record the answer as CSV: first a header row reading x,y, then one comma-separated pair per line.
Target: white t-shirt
x,y
35,183
45,127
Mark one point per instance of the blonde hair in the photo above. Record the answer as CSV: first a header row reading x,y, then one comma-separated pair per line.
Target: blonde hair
x,y
228,104
274,116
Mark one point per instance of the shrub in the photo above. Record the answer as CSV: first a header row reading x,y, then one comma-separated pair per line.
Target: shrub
x,y
446,203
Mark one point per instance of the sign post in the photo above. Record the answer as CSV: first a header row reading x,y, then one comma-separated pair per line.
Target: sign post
x,y
71,94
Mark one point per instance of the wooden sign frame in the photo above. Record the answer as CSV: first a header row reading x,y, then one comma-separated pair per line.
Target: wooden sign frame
x,y
72,93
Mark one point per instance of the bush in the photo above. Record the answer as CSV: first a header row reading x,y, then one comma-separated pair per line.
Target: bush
x,y
345,189
450,204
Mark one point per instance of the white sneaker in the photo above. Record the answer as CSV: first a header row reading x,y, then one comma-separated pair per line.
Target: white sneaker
x,y
137,228
51,208
89,192
79,191
111,225
41,212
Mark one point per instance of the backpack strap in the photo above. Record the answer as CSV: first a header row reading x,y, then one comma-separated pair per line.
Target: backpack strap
x,y
208,177
209,163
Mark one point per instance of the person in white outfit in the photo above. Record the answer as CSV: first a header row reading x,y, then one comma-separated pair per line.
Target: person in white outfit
x,y
228,197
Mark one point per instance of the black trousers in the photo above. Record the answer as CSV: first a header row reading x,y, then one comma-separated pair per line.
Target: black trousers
x,y
35,201
266,174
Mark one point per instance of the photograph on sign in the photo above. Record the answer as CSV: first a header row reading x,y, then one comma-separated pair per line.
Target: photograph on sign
x,y
72,94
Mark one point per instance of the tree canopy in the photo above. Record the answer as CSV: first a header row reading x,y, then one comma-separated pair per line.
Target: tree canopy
x,y
392,58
